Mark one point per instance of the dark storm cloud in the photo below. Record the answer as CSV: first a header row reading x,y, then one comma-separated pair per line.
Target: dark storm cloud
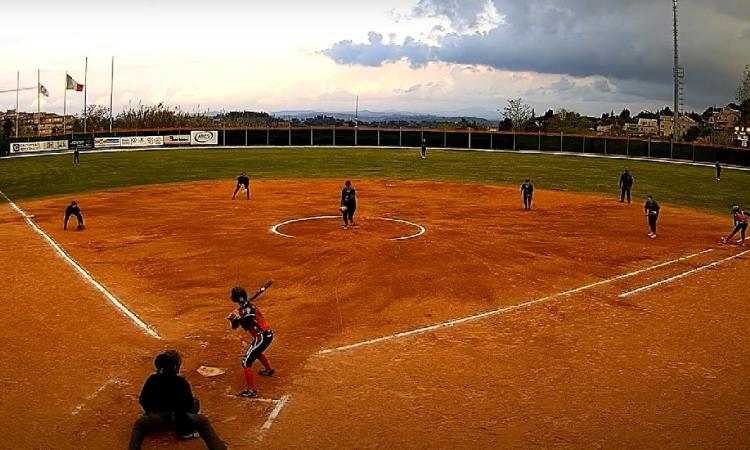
x,y
626,42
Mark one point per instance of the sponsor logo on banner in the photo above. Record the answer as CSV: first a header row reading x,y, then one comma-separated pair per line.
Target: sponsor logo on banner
x,y
177,139
41,146
142,141
107,142
204,137
81,144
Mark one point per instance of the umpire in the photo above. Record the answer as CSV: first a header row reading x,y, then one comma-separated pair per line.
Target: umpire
x,y
626,184
527,192
168,402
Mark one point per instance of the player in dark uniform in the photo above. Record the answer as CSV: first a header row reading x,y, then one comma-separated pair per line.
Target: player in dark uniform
x,y
626,183
168,402
76,157
348,204
424,149
243,181
73,210
740,225
527,192
652,212
248,317
718,171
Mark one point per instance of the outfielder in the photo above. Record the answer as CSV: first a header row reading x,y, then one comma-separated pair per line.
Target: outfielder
x,y
73,210
424,149
248,317
243,182
348,204
740,225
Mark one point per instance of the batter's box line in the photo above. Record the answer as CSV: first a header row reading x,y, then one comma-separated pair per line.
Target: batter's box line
x,y
506,309
278,406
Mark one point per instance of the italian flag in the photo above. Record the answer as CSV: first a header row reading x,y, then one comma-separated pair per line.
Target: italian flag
x,y
72,84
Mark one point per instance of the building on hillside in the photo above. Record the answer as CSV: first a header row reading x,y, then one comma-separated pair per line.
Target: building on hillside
x,y
666,125
644,127
42,124
604,130
725,119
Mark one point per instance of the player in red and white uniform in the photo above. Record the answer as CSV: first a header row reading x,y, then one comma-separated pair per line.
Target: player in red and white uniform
x,y
740,225
249,317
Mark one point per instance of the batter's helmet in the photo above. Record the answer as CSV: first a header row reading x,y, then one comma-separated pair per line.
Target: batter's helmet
x,y
239,294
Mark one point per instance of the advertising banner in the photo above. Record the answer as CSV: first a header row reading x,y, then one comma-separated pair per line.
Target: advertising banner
x,y
142,141
177,139
81,144
106,142
204,137
41,146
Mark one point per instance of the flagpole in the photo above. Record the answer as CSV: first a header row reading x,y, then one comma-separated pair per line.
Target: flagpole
x,y
38,102
111,91
18,88
65,99
85,91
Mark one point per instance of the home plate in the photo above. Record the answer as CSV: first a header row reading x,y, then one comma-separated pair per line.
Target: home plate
x,y
210,372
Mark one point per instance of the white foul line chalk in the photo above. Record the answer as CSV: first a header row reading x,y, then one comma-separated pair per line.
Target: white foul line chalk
x,y
454,322
86,276
682,275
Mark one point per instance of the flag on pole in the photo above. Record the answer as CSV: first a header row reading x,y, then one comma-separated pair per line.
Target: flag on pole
x,y
43,90
71,84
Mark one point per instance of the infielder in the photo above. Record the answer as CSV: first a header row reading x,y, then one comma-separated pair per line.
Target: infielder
x,y
348,204
527,192
243,182
73,210
248,316
651,209
740,225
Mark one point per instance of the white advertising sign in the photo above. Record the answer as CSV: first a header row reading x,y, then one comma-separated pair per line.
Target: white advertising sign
x,y
40,146
142,141
177,139
107,142
204,137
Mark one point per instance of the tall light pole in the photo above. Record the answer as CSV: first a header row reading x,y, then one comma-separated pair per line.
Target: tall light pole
x,y
678,76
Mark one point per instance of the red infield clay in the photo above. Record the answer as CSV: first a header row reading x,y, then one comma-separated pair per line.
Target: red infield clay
x,y
663,368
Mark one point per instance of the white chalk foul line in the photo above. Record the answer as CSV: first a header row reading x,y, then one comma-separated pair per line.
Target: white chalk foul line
x,y
274,414
682,275
90,397
86,276
493,312
421,230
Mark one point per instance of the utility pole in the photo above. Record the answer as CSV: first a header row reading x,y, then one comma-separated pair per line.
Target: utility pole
x,y
679,75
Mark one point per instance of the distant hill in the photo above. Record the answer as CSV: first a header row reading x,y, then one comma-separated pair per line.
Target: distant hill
x,y
473,114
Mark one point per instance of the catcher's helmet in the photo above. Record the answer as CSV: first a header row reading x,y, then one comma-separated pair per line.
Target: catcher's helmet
x,y
239,294
735,208
168,362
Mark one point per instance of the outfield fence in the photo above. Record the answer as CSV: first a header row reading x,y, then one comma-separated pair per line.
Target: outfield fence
x,y
385,137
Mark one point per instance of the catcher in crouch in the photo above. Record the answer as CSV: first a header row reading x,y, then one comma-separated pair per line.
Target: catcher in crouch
x,y
248,316
348,204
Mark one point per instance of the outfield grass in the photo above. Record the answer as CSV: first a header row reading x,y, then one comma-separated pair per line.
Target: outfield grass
x,y
27,178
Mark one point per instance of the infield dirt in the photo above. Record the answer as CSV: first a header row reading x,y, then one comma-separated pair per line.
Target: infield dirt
x,y
584,370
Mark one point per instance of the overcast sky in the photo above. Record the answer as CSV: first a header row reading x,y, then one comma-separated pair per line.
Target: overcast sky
x,y
418,55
